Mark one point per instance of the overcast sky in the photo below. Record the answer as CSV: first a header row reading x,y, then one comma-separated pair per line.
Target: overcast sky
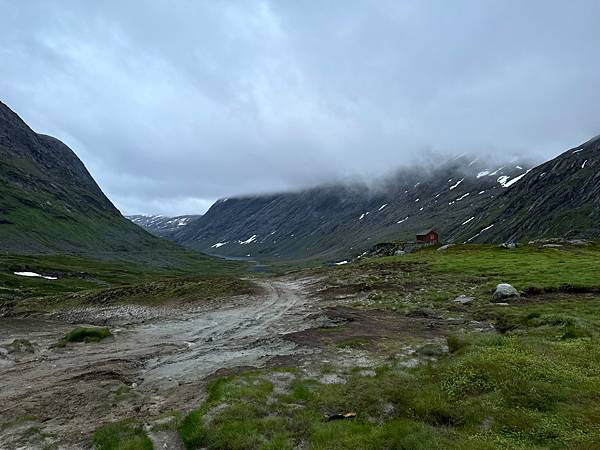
x,y
173,104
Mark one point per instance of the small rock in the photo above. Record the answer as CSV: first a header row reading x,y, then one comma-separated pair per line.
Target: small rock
x,y
510,245
443,248
505,290
332,378
388,409
133,385
399,253
463,299
409,363
487,423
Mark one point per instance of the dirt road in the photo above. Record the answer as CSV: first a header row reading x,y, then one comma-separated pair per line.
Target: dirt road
x,y
59,396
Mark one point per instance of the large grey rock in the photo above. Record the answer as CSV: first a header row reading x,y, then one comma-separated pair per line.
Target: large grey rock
x,y
443,248
504,291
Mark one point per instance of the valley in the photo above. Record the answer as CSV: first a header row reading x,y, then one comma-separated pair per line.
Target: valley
x,y
414,345
312,321
271,225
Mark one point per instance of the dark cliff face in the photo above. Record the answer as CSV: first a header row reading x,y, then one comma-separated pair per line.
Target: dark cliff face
x,y
50,203
560,198
340,221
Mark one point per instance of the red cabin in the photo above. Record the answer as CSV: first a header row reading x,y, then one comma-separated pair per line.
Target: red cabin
x,y
427,237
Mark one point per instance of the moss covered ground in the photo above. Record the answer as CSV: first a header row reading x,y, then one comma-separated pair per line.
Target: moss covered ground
x,y
530,381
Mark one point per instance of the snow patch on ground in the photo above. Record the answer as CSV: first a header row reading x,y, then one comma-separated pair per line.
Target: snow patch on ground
x,y
584,163
483,173
219,244
467,221
462,196
403,220
341,263
496,171
34,275
383,206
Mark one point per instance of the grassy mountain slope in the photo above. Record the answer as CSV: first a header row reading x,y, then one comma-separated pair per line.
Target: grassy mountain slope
x,y
49,204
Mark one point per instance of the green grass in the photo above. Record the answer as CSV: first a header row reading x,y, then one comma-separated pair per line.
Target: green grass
x,y
85,334
124,435
353,343
526,267
532,383
496,392
83,280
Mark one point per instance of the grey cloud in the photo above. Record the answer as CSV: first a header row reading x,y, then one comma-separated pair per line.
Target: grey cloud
x,y
174,104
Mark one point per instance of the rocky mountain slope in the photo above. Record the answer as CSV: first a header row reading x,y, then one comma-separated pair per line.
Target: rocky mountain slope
x,y
339,221
162,226
49,203
560,198
465,200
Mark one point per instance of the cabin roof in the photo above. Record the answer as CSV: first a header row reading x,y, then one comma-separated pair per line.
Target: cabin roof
x,y
423,233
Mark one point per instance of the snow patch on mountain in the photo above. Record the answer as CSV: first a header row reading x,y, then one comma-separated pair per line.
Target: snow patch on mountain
x,y
457,184
249,240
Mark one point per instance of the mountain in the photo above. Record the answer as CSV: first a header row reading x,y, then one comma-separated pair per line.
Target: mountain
x,y
560,198
465,200
49,203
341,220
162,226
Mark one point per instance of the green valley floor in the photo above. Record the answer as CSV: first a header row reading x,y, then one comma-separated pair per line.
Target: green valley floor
x,y
398,352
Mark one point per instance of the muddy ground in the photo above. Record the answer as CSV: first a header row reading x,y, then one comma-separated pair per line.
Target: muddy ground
x,y
159,359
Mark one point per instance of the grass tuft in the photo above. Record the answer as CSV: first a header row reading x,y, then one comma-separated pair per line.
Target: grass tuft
x,y
124,435
85,334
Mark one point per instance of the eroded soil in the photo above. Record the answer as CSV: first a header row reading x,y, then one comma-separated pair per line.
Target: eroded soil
x,y
159,360
55,396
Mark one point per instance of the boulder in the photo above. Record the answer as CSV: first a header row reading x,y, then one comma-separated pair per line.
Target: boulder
x,y
443,248
504,291
463,299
